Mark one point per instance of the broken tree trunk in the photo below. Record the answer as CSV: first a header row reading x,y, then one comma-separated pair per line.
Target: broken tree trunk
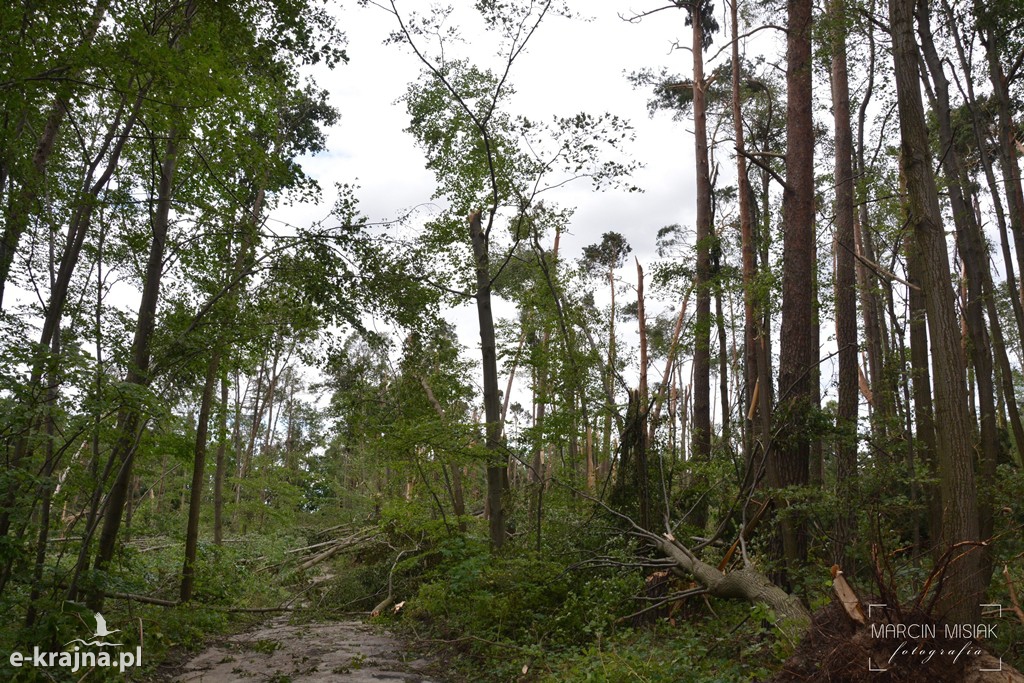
x,y
792,618
746,584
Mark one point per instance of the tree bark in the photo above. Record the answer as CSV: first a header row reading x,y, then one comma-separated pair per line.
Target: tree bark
x,y
492,406
974,256
130,420
198,480
222,464
789,462
46,490
923,447
643,471
701,433
610,381
962,587
883,410
750,315
845,291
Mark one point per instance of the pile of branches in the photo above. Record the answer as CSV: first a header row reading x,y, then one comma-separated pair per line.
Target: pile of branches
x,y
344,538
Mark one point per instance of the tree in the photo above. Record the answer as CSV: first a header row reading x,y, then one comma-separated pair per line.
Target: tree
x,y
789,460
109,156
483,157
55,30
845,288
962,586
751,315
683,95
978,283
999,28
602,259
701,17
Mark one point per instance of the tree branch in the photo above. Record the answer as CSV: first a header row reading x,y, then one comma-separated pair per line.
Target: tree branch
x,y
753,158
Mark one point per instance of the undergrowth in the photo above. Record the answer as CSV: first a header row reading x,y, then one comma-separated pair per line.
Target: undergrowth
x,y
524,615
226,579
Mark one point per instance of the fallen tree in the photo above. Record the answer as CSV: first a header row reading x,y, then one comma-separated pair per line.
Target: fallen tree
x,y
745,583
842,641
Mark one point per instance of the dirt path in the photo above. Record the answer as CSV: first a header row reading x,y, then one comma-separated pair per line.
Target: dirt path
x,y
279,652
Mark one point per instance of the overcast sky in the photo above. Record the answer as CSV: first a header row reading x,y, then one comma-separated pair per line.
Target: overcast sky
x,y
571,65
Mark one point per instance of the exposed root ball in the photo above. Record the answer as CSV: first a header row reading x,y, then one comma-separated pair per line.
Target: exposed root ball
x,y
836,649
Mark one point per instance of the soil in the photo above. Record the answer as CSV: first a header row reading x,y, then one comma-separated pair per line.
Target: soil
x,y
281,652
835,649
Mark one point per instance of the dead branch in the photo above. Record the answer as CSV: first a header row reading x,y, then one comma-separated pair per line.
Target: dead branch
x,y
321,544
144,599
1013,595
327,549
661,602
339,527
162,546
753,158
390,598
338,547
744,534
879,270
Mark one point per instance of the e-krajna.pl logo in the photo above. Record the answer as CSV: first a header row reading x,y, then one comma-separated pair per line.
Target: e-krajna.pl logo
x,y
79,657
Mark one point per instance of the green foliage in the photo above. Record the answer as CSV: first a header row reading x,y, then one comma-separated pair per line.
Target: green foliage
x,y
723,648
508,615
225,578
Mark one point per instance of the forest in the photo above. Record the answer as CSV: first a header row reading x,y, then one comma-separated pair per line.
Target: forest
x,y
784,443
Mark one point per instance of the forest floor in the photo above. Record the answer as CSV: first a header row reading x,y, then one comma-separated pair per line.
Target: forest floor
x,y
279,651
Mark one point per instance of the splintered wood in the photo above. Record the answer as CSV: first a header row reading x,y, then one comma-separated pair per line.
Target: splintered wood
x,y
847,597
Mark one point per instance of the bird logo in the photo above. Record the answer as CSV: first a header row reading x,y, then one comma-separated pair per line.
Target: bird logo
x,y
101,632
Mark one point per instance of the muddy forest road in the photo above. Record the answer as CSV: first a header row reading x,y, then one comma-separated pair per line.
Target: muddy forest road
x,y
279,652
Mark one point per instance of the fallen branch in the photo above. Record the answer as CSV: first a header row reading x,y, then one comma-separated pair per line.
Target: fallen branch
x,y
148,600
329,548
382,605
162,546
745,533
324,532
879,270
390,598
675,597
145,599
321,544
746,583
350,542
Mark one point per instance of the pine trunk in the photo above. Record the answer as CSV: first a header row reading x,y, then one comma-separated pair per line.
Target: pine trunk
x,y
789,462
